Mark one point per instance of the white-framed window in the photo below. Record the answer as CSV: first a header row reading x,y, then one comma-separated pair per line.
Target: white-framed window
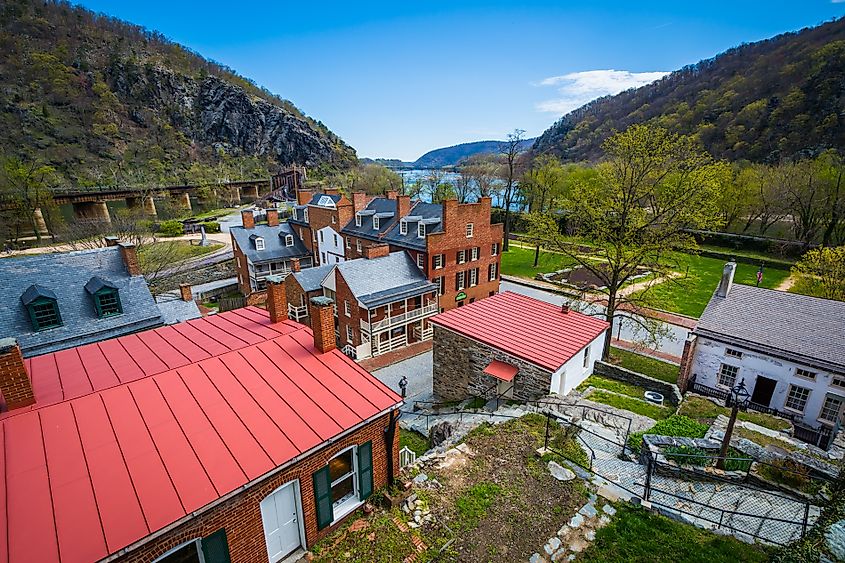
x,y
357,219
288,240
462,256
460,280
346,308
190,552
470,229
473,277
492,271
830,409
421,230
403,227
838,382
797,397
587,356
805,373
727,375
305,214
349,334
376,223
441,285
474,253
421,260
347,243
259,243
238,260
731,353
439,260
358,244
494,249
301,236
343,478
334,220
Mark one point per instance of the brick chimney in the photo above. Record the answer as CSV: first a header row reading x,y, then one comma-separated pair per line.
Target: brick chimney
x,y
248,219
331,191
403,206
727,280
14,380
277,299
376,251
391,194
303,196
294,265
272,217
185,292
359,202
564,308
112,241
130,258
322,323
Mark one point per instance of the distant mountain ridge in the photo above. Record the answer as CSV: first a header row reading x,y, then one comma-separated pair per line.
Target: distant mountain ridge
x,y
448,156
759,101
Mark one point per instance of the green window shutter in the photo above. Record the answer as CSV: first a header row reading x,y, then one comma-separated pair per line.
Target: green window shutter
x,y
215,548
365,469
323,497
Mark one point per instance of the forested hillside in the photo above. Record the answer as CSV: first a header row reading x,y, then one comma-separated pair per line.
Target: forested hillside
x,y
452,156
104,101
761,101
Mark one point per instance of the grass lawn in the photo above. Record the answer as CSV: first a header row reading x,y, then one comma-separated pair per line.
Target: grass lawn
x,y
664,371
689,296
762,439
519,262
415,441
630,404
167,253
704,410
635,535
612,385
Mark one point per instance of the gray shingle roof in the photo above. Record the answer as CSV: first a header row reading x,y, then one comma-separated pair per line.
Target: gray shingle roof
x,y
65,275
381,280
431,214
274,245
97,283
35,291
806,329
174,309
310,278
376,206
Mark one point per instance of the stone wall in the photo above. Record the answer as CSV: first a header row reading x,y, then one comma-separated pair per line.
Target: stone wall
x,y
459,363
670,391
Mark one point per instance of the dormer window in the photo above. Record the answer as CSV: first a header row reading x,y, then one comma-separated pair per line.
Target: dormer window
x,y
375,223
403,227
43,307
421,230
259,243
357,219
105,296
288,240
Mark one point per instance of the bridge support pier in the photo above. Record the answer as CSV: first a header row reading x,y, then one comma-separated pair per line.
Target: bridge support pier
x,y
249,193
183,201
146,203
40,223
92,211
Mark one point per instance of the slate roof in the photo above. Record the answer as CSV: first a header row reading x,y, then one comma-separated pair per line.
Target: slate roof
x,y
174,309
536,331
311,278
429,213
366,231
274,245
64,276
130,435
377,281
315,199
805,329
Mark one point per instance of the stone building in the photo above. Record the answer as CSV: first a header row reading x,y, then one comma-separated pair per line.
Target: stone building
x,y
786,348
515,347
237,437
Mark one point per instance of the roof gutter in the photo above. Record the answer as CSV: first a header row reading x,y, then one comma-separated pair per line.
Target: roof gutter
x,y
188,517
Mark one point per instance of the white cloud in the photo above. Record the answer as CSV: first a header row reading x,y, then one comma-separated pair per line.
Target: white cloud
x,y
578,88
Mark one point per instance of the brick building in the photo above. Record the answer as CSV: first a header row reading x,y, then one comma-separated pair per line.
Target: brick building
x,y
301,286
317,219
238,437
514,347
262,250
454,245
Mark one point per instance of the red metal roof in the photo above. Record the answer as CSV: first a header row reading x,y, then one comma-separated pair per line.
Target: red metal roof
x,y
501,370
527,328
129,435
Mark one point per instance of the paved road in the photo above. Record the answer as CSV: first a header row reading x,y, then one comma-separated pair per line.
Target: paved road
x,y
623,329
418,370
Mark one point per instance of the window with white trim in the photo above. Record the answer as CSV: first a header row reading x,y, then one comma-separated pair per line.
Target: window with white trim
x,y
305,214
731,353
830,409
493,272
473,255
403,227
342,474
797,397
587,356
727,375
473,277
494,249
346,308
421,261
439,260
211,549
347,243
420,230
441,285
349,334
288,240
460,280
376,223
259,243
334,220
358,244
462,256
470,229
357,219
805,373
838,382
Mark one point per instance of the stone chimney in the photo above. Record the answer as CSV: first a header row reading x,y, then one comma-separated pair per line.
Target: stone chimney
x,y
322,323
403,206
112,241
392,194
14,380
303,196
727,280
359,202
272,217
185,292
376,251
277,299
294,265
248,219
130,258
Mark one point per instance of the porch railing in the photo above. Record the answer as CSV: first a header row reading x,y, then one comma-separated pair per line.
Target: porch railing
x,y
399,319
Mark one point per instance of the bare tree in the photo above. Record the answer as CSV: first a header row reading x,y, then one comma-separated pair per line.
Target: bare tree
x,y
481,172
510,191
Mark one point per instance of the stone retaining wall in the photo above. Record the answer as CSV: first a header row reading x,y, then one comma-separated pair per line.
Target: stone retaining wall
x,y
670,391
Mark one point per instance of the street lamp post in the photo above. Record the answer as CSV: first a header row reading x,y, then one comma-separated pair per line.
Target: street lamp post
x,y
739,397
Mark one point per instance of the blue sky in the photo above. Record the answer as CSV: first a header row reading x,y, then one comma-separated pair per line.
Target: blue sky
x,y
396,79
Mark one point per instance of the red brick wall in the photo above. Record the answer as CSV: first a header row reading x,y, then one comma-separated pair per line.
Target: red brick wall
x,y
322,324
277,302
241,515
14,379
343,293
241,268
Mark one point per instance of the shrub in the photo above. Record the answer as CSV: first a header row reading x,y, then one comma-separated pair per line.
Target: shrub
x,y
211,226
675,425
743,464
171,228
687,455
786,472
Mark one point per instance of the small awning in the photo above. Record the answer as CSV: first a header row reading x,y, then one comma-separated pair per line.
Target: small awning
x,y
501,370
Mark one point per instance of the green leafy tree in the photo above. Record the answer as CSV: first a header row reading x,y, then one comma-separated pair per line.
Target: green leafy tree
x,y
26,185
634,213
821,273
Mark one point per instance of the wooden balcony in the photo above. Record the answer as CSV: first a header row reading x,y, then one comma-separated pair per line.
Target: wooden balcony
x,y
400,319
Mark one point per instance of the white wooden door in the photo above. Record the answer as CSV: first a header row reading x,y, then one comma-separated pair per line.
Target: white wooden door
x,y
281,522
